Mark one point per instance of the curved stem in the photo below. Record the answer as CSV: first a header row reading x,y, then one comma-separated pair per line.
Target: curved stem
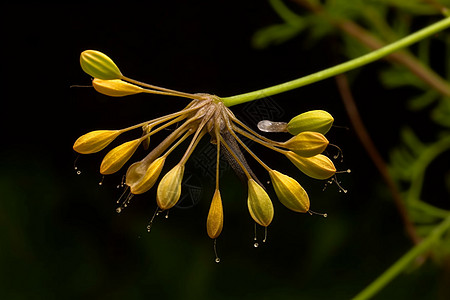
x,y
341,68
404,261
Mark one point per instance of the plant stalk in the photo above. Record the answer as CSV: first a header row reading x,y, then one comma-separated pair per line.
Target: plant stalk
x,y
341,68
404,261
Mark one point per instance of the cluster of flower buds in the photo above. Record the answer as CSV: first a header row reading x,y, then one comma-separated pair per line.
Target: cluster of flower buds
x,y
206,114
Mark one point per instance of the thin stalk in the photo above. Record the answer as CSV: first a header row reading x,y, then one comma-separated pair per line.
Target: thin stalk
x,y
158,150
237,121
341,68
217,134
250,151
195,140
188,133
162,119
197,136
169,91
253,138
404,262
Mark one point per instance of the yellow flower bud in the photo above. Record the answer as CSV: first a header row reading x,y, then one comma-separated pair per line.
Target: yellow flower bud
x,y
94,141
115,87
118,156
98,65
141,177
318,166
314,120
290,193
169,188
214,223
307,143
146,130
259,204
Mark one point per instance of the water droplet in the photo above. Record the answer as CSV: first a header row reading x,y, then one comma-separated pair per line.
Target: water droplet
x,y
78,172
217,260
118,210
149,227
256,245
325,215
101,181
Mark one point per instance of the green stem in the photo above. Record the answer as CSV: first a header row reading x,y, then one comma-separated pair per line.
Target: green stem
x,y
341,68
404,261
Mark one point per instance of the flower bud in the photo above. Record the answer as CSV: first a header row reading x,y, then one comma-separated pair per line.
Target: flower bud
x,y
290,193
141,177
214,223
307,143
98,65
314,120
169,188
115,87
318,166
146,130
94,141
259,204
118,156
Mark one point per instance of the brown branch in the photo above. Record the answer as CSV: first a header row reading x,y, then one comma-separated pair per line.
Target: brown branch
x,y
369,146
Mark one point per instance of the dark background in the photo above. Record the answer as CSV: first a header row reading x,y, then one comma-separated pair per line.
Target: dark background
x,y
60,236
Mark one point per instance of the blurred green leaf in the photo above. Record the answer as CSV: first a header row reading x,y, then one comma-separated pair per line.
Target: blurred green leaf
x,y
395,77
423,100
275,35
441,113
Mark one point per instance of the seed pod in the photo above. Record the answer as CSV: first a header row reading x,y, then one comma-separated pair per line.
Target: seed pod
x,y
307,143
115,87
314,120
118,156
259,204
94,141
169,188
140,182
214,223
290,193
98,65
318,166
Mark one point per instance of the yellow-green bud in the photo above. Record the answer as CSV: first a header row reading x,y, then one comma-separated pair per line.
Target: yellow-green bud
x,y
307,143
115,87
214,223
169,188
290,193
94,141
259,204
141,177
118,156
99,65
314,120
318,166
